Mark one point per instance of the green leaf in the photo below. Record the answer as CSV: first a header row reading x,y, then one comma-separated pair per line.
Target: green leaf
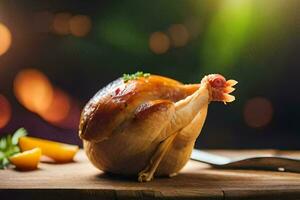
x,y
3,144
1,165
15,149
19,133
8,142
5,162
127,77
9,146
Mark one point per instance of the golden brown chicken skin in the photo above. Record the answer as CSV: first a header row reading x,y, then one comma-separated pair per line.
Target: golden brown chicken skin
x,y
117,102
148,126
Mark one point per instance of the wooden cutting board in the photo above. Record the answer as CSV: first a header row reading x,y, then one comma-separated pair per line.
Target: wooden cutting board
x,y
80,180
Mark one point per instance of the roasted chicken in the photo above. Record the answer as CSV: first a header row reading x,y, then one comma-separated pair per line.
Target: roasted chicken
x,y
147,126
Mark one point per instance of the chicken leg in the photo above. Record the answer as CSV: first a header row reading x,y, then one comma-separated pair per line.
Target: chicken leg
x,y
148,172
185,111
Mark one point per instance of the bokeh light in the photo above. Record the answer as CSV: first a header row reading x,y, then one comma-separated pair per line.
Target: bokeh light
x,y
5,111
159,42
185,40
5,39
258,112
33,90
80,25
71,121
61,23
227,34
36,93
179,35
59,107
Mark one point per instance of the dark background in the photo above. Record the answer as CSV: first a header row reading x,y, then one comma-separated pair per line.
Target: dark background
x,y
252,41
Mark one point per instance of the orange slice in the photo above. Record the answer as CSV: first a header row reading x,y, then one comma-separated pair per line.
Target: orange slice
x,y
27,160
59,152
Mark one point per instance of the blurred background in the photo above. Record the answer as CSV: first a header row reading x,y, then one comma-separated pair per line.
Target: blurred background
x,y
55,55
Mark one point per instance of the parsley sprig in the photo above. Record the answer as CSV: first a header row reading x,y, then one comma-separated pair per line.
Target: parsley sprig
x,y
9,146
127,77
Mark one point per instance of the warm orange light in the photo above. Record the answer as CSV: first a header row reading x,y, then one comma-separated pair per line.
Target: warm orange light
x,y
61,23
80,25
179,35
72,119
159,42
5,111
35,92
258,112
33,89
5,39
59,108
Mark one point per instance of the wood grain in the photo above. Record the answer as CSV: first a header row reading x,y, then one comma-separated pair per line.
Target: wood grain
x,y
80,180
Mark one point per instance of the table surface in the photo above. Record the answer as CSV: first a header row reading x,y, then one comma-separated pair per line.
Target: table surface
x,y
80,179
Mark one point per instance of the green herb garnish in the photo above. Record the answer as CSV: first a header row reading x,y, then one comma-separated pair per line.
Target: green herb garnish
x,y
127,77
9,146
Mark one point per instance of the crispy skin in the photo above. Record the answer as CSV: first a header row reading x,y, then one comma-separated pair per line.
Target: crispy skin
x,y
147,127
116,103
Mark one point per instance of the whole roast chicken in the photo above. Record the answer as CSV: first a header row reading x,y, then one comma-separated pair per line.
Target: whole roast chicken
x,y
146,125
